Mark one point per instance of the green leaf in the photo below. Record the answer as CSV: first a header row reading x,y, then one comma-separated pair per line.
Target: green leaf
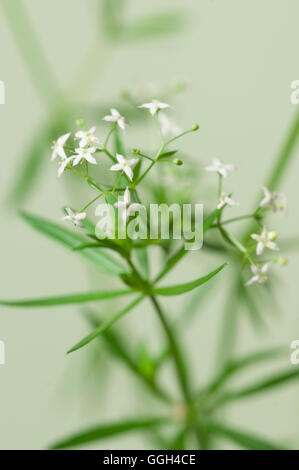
x,y
188,286
238,365
105,325
142,257
244,439
72,240
105,431
66,299
262,386
167,154
157,25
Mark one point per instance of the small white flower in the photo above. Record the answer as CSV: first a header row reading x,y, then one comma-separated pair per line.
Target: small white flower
x,y
259,274
125,165
63,164
226,200
58,149
169,127
276,201
116,117
75,218
154,106
265,240
84,154
220,168
88,137
127,209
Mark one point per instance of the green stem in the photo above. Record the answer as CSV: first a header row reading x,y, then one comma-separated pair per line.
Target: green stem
x,y
91,202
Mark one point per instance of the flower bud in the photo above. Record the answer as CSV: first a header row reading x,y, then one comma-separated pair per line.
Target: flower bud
x,y
195,127
136,151
80,122
281,261
178,162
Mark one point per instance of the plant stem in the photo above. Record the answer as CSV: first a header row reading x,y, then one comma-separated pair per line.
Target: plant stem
x,y
180,367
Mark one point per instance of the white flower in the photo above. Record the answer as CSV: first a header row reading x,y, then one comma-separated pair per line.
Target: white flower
x,y
116,117
169,127
75,218
154,106
84,154
221,168
259,274
88,137
265,240
125,166
63,164
58,147
276,201
226,200
127,209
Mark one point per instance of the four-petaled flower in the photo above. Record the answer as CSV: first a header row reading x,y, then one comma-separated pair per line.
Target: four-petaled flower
x,y
259,274
226,200
127,209
265,240
58,149
116,117
221,168
125,165
276,201
154,106
88,137
75,218
84,154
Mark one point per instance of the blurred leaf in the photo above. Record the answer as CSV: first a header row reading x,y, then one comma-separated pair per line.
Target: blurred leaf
x,y
105,325
244,439
105,431
262,386
157,25
70,239
238,365
142,257
66,299
167,155
248,299
188,286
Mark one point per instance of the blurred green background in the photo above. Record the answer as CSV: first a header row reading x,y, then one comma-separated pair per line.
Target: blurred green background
x,y
238,58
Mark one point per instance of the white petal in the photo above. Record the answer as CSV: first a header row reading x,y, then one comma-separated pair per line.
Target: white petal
x,y
115,113
121,159
259,248
163,105
116,167
272,246
90,159
120,205
127,196
128,171
61,152
146,105
109,118
81,216
62,140
122,124
265,267
132,162
252,281
54,154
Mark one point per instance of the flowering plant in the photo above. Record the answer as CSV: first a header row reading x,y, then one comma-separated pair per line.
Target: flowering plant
x,y
193,415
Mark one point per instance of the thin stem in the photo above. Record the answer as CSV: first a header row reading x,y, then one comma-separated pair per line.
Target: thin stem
x,y
179,363
179,136
234,219
113,127
90,203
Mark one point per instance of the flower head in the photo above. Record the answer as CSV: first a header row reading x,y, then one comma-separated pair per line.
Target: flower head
x,y
154,106
226,200
221,168
127,209
58,149
116,117
88,137
276,201
125,165
259,274
265,240
75,218
84,154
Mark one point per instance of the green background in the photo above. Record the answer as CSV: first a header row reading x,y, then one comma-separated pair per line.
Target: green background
x,y
239,58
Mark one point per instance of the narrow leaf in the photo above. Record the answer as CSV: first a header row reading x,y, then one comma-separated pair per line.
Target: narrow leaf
x,y
244,439
66,299
72,240
188,286
154,26
110,430
105,325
